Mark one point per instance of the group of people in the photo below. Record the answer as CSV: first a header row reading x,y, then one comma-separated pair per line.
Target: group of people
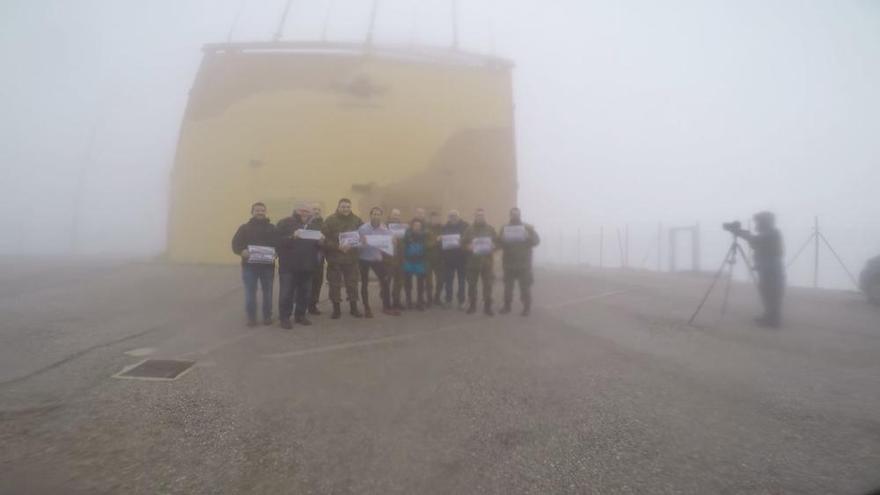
x,y
425,253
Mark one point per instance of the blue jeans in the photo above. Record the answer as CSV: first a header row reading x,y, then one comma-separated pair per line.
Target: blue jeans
x,y
251,274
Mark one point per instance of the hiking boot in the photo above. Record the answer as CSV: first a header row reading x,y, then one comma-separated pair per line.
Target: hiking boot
x,y
285,324
302,320
368,313
313,309
337,311
268,322
505,309
472,308
354,311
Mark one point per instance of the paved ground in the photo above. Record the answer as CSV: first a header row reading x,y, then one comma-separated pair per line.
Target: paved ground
x,y
604,389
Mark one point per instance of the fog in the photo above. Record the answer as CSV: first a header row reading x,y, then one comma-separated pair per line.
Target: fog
x,y
627,114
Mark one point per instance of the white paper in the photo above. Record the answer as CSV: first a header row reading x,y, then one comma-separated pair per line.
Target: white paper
x,y
398,230
264,255
383,242
450,241
514,233
482,245
351,239
312,235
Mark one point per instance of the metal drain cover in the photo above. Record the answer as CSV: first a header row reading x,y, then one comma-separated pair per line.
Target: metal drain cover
x,y
157,369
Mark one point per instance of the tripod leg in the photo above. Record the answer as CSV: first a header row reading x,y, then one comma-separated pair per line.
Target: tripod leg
x,y
727,257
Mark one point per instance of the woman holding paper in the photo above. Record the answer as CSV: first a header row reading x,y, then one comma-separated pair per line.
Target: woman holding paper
x,y
414,262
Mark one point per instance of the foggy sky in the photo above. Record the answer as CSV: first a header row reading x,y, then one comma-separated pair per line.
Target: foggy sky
x,y
631,112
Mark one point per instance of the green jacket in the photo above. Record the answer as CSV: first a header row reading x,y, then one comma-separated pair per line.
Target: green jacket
x,y
433,243
518,254
334,225
480,230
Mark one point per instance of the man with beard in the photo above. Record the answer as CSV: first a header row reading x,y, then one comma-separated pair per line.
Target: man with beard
x,y
518,239
259,233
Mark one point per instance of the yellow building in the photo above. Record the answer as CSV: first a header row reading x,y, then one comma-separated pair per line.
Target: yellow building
x,y
287,121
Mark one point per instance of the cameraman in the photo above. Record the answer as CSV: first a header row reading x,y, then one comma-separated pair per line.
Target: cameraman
x,y
768,249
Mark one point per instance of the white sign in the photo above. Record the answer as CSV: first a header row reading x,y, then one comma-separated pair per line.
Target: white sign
x,y
482,245
312,235
398,230
450,241
514,233
383,242
264,255
350,239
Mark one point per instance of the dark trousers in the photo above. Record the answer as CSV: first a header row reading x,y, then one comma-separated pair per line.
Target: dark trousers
x,y
480,268
264,275
380,269
523,276
454,269
294,286
336,274
317,282
420,287
771,286
396,279
436,280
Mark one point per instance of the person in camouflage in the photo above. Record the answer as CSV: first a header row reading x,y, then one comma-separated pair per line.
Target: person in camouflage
x,y
342,260
481,240
436,274
317,221
395,263
517,240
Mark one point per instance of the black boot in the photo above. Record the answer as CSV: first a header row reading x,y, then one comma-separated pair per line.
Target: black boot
x,y
527,310
487,309
337,311
368,313
313,309
472,307
302,320
354,311
506,308
285,323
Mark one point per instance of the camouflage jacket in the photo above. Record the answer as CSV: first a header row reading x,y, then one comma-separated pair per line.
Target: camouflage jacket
x,y
480,230
518,254
334,225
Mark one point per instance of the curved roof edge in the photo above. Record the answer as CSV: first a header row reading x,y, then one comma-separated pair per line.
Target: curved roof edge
x,y
421,53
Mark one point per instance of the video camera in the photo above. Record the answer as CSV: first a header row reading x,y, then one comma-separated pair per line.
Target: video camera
x,y
733,227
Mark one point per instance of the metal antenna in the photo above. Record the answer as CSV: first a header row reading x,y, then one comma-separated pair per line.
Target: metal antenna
x,y
373,11
235,20
280,31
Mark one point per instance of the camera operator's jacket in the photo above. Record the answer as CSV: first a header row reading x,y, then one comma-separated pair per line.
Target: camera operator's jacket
x,y
518,255
769,250
334,225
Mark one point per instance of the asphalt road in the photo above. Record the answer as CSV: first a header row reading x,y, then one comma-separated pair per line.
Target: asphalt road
x,y
604,389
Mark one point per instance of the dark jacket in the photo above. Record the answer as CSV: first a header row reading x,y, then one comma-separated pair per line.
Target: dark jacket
x,y
518,254
454,255
297,255
415,252
480,230
769,250
254,233
334,225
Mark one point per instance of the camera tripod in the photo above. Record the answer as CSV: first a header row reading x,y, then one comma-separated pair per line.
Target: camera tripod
x,y
729,263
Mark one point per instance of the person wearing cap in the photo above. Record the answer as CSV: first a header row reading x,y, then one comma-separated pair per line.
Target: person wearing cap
x,y
297,263
768,248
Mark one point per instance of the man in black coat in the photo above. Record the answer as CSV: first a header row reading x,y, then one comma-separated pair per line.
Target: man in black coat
x,y
769,249
454,258
298,258
258,233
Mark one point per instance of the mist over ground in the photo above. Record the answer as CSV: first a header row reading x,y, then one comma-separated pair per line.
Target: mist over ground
x,y
626,113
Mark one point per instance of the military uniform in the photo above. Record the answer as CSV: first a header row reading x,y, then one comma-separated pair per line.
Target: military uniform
x,y
480,266
516,262
436,274
341,266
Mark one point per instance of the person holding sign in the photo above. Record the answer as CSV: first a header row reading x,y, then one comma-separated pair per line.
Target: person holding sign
x,y
299,240
341,241
453,256
435,277
518,239
377,246
257,235
481,240
415,246
395,263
